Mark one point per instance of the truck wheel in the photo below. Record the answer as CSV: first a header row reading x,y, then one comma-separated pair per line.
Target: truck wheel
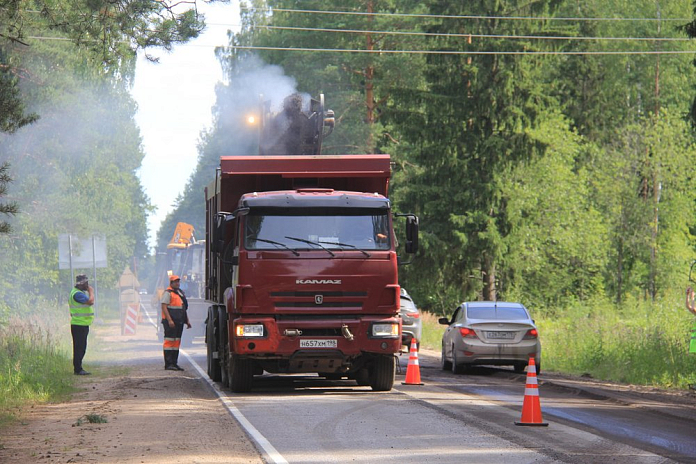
x,y
382,373
362,377
211,345
241,374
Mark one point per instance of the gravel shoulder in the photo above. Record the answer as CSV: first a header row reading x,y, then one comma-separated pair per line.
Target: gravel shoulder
x,y
153,415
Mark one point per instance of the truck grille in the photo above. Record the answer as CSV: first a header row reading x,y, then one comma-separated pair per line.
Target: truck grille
x,y
308,300
325,294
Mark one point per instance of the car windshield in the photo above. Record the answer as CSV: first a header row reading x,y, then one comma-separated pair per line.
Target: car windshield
x,y
500,313
337,231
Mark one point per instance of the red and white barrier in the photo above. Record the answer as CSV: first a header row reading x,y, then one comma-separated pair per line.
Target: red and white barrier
x,y
131,321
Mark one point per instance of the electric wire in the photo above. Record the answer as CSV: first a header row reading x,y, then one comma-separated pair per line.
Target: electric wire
x,y
423,15
462,35
422,52
461,52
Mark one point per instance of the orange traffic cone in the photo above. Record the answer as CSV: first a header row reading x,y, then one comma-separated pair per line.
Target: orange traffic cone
x,y
413,369
531,408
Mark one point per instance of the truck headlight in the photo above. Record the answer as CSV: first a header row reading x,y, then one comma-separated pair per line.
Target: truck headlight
x,y
385,330
250,330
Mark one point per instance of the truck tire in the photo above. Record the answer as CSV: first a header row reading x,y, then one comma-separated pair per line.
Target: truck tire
x,y
361,377
382,373
241,374
211,345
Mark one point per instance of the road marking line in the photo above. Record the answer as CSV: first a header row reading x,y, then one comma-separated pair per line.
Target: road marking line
x,y
252,431
261,441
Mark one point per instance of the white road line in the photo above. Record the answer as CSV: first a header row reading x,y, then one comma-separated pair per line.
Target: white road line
x,y
273,455
260,440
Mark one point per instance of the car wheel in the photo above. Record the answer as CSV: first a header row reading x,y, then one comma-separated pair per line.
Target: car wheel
x,y
444,363
456,367
538,368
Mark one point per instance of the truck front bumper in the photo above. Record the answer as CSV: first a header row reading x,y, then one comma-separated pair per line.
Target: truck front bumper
x,y
317,337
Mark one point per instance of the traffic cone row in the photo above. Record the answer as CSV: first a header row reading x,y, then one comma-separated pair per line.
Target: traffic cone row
x,y
531,407
413,368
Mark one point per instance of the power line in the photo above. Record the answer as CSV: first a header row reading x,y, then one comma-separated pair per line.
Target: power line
x,y
491,36
457,52
416,15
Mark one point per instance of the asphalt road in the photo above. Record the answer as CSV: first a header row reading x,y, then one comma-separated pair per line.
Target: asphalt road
x,y
460,418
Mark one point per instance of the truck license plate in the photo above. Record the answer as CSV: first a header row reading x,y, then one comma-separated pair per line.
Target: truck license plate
x,y
501,335
318,343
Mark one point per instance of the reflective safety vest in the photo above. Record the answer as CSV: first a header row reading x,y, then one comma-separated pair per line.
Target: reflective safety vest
x,y
80,314
176,303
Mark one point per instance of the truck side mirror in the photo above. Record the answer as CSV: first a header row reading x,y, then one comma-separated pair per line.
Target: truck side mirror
x,y
411,234
218,242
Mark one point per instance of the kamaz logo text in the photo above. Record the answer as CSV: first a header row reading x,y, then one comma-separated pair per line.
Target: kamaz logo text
x,y
317,281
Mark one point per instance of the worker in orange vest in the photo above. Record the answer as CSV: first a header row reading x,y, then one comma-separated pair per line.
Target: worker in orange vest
x,y
174,316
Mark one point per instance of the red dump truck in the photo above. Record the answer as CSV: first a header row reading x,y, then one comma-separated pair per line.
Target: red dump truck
x,y
301,269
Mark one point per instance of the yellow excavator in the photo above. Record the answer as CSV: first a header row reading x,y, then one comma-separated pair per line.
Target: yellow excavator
x,y
185,257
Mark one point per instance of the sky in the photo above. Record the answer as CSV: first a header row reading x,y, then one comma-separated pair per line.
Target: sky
x,y
174,100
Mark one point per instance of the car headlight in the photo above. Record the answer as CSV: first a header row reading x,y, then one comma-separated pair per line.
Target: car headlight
x,y
250,330
385,330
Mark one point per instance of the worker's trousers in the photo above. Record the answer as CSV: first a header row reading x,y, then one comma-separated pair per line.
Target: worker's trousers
x,y
79,336
172,342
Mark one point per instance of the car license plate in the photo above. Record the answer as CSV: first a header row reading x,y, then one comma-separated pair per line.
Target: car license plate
x,y
501,335
318,343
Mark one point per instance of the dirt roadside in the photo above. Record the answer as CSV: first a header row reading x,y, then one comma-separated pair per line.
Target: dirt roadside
x,y
153,415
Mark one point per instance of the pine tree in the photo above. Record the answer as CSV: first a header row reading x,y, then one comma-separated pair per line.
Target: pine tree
x,y
10,208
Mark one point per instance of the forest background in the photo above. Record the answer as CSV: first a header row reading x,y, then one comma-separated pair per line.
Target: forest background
x,y
547,147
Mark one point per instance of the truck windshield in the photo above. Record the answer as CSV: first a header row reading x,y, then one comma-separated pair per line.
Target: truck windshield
x,y
307,231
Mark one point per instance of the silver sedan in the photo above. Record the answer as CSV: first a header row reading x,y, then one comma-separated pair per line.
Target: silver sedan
x,y
412,324
488,332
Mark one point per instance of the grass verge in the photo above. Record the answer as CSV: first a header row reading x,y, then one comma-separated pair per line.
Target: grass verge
x,y
32,368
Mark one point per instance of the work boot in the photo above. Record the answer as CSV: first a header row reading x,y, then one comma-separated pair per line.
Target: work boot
x,y
171,368
82,372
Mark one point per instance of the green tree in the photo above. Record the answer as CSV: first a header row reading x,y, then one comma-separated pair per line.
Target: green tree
x,y
10,208
558,245
465,132
110,32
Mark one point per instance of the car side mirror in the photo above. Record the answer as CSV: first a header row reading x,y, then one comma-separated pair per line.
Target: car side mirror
x,y
443,321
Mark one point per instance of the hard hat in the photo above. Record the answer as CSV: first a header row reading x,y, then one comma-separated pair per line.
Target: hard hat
x,y
173,277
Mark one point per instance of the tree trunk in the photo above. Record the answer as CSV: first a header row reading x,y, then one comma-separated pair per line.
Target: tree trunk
x,y
488,271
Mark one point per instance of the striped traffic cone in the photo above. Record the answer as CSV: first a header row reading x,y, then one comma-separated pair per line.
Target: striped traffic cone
x,y
531,408
413,369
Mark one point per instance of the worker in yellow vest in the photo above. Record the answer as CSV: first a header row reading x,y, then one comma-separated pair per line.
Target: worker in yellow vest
x,y
174,316
81,317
